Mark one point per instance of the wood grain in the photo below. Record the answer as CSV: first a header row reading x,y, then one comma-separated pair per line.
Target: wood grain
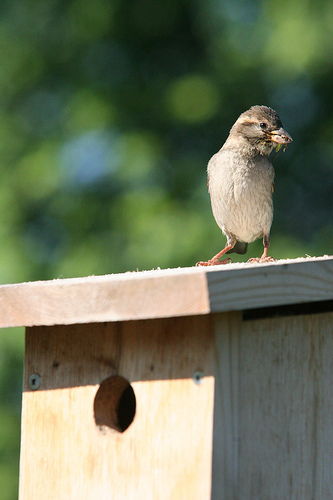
x,y
166,293
105,298
273,435
265,285
166,453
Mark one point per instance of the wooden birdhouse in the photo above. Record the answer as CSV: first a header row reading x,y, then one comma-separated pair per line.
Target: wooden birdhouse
x,y
193,383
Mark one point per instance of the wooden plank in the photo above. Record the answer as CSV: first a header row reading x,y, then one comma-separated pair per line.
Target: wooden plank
x,y
166,453
149,294
273,284
273,435
226,407
166,293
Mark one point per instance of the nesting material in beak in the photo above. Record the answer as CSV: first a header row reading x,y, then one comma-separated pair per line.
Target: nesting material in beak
x,y
280,136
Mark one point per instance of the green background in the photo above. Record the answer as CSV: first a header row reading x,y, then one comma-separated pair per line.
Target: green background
x,y
109,113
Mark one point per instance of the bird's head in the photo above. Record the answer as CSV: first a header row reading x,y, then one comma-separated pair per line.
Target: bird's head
x,y
262,128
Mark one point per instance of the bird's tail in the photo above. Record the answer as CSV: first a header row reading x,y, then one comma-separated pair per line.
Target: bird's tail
x,y
240,248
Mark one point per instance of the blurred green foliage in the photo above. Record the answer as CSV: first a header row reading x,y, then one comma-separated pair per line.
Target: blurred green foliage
x,y
109,113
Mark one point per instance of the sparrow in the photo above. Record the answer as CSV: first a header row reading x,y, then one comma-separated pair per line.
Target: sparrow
x,y
240,180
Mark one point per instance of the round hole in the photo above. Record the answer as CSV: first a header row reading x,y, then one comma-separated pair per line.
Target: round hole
x,y
115,404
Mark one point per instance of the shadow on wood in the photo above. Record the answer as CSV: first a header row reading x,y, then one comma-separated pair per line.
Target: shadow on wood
x,y
76,355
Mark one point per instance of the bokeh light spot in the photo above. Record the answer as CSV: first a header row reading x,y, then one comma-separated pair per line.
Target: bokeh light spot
x,y
192,99
87,159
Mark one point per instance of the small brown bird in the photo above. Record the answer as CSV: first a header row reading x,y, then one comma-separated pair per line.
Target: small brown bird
x,y
241,181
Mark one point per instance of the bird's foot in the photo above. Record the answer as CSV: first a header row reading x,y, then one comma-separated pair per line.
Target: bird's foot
x,y
214,262
261,260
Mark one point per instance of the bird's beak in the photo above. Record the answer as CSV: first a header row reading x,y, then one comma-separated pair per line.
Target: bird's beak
x,y
280,136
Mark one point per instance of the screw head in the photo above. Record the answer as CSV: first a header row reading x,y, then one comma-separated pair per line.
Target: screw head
x,y
34,381
198,377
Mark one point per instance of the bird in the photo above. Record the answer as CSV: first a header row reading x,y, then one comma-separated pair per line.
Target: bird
x,y
240,180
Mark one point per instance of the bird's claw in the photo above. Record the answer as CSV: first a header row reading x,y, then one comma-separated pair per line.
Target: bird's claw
x,y
213,262
261,260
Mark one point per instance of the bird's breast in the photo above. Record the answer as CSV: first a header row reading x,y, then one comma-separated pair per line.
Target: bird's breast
x,y
241,194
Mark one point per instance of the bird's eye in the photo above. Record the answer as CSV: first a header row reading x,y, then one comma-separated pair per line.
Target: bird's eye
x,y
263,125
